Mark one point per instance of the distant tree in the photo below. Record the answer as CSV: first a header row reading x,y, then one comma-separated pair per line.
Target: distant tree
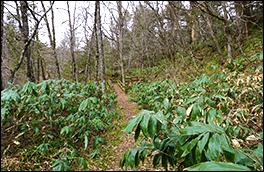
x,y
24,29
100,45
52,38
120,39
72,34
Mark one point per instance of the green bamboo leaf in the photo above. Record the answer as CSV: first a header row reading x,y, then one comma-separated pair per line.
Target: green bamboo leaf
x,y
131,158
214,146
193,130
190,145
137,133
181,111
83,105
217,166
45,88
63,130
156,160
229,154
261,56
191,100
164,161
200,147
144,124
152,125
163,145
210,102
93,100
211,116
137,159
195,112
122,160
131,124
10,95
215,128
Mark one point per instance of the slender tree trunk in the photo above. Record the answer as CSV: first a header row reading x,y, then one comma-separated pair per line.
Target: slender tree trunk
x,y
25,32
120,38
2,29
215,39
89,47
73,67
100,46
97,49
227,32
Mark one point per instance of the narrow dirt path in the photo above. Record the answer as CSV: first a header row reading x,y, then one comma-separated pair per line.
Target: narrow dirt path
x,y
130,110
116,144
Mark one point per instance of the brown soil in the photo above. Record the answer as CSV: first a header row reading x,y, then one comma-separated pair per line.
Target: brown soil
x,y
131,109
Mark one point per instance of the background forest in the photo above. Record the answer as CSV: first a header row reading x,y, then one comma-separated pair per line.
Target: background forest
x,y
213,49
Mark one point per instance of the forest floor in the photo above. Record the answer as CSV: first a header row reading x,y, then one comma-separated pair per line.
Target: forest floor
x,y
115,151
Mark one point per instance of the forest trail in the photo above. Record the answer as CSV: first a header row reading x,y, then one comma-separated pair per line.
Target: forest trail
x,y
130,110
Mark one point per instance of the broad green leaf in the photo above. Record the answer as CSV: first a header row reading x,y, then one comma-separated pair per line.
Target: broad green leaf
x,y
181,111
191,100
131,124
164,161
156,160
200,101
210,102
229,154
215,128
193,130
3,112
144,124
137,133
45,88
214,146
195,112
131,158
83,105
211,116
198,127
163,145
217,166
10,95
93,99
190,145
152,125
122,160
200,147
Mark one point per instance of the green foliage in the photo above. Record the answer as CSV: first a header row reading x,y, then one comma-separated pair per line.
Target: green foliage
x,y
197,126
63,117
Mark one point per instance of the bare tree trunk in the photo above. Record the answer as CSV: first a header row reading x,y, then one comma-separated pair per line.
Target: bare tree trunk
x,y
215,39
97,50
89,47
43,64
73,67
52,38
25,32
227,32
2,29
120,38
100,46
27,40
